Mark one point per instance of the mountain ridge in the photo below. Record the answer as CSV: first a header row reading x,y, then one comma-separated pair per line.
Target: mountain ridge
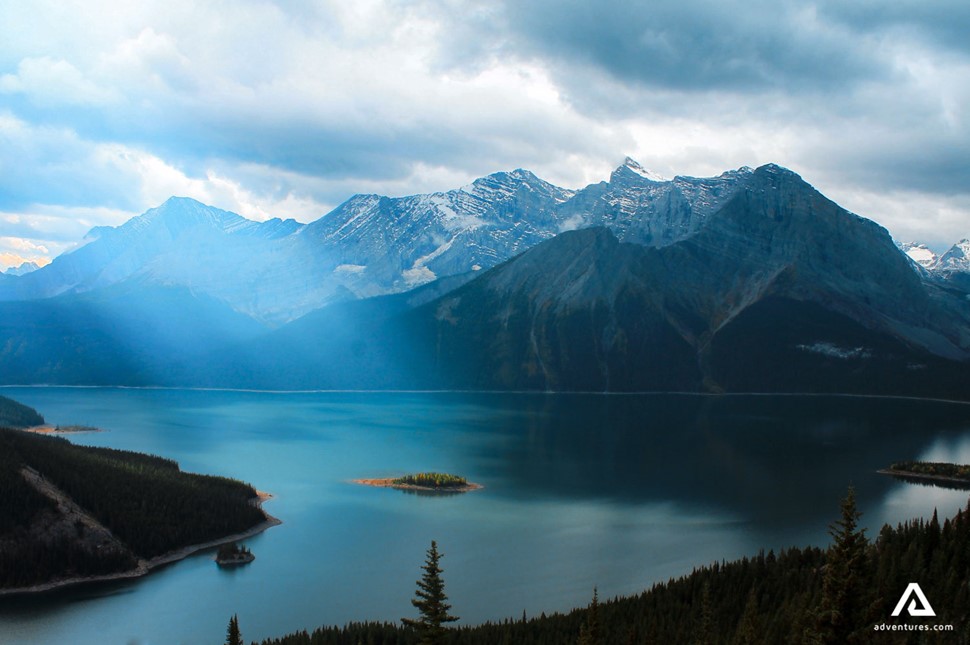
x,y
512,283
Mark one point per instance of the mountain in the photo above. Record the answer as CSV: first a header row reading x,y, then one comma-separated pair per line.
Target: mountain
x,y
180,243
277,270
954,266
128,334
749,281
370,245
23,269
920,254
642,207
779,289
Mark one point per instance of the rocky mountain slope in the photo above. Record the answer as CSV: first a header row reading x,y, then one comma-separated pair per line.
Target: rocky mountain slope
x,y
779,289
276,271
638,283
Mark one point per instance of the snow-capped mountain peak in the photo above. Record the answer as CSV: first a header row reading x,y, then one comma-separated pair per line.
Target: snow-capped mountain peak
x,y
956,259
631,165
920,254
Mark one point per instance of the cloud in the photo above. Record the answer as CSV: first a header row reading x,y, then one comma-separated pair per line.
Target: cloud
x,y
696,45
15,251
288,108
54,82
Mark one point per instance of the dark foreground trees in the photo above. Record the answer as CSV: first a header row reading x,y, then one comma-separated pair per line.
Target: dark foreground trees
x,y
233,635
846,585
431,602
797,596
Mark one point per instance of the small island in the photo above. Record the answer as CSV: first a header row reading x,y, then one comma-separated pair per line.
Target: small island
x,y
428,482
232,554
929,472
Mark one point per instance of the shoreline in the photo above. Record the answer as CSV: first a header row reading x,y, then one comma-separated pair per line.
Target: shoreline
x,y
388,482
47,428
146,566
908,474
904,397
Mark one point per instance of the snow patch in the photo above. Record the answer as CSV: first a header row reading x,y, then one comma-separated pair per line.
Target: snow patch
x,y
834,351
352,269
920,254
418,275
452,219
572,223
643,172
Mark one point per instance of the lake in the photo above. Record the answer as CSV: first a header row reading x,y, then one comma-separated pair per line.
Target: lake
x,y
611,491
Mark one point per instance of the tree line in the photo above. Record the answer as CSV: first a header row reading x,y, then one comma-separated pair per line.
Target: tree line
x,y
14,414
145,501
804,596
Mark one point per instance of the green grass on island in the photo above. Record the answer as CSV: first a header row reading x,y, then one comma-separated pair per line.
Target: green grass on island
x,y
431,480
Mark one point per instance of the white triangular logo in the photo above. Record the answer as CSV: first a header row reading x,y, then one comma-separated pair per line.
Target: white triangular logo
x,y
923,609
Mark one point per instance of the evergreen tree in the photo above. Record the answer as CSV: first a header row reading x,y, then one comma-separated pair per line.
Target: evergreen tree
x,y
233,637
748,631
589,631
430,600
842,612
705,629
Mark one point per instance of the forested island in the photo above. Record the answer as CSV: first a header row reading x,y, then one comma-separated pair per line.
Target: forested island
x,y
432,482
232,554
72,514
929,472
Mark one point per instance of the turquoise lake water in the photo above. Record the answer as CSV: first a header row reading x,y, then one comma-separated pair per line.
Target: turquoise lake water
x,y
611,491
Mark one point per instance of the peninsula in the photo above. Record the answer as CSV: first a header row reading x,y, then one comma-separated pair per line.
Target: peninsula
x,y
74,514
430,482
936,473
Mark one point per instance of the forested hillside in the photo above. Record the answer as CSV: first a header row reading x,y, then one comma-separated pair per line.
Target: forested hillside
x,y
17,415
802,595
148,506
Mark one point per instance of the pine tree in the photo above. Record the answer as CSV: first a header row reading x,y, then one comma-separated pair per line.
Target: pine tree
x,y
748,631
705,629
844,588
233,637
589,631
430,600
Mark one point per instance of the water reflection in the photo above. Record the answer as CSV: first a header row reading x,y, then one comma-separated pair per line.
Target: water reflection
x,y
760,457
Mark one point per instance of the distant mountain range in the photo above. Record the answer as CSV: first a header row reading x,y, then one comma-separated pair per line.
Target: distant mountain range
x,y
749,281
23,269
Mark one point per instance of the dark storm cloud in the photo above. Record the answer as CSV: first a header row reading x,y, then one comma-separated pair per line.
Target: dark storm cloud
x,y
696,45
303,102
940,24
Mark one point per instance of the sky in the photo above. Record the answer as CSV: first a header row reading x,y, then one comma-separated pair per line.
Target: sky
x,y
287,108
